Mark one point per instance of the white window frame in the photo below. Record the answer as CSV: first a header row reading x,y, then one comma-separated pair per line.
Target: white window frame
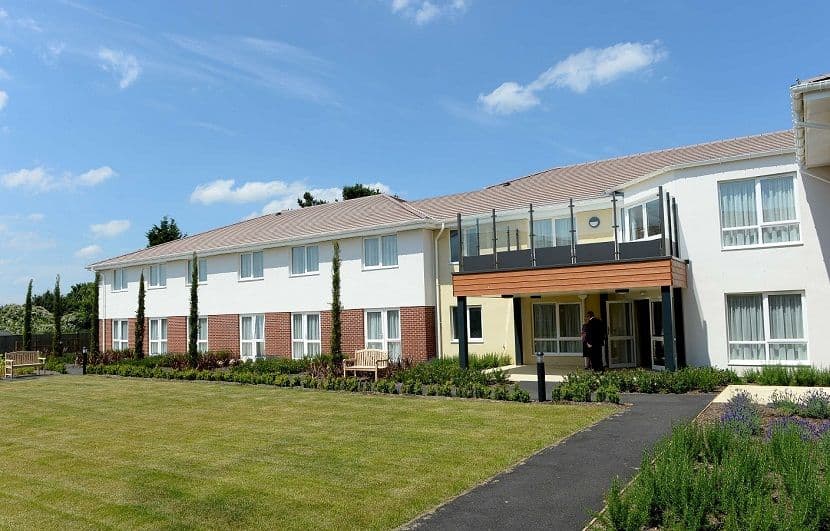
x,y
121,343
305,341
627,226
305,272
759,215
552,220
255,340
559,339
454,332
122,274
250,256
386,340
160,343
379,239
202,267
767,334
161,271
202,345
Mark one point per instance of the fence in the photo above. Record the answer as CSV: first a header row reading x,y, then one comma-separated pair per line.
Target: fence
x,y
72,342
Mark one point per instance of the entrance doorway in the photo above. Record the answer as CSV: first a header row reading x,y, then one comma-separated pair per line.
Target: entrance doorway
x,y
649,332
621,348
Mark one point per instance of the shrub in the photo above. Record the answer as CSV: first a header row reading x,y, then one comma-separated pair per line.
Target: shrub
x,y
742,414
273,366
489,361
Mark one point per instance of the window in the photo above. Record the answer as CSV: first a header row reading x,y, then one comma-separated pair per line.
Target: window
x,y
119,280
383,331
643,221
158,276
475,330
557,328
305,260
202,263
471,243
552,232
120,334
380,251
758,212
202,334
252,336
158,337
305,335
250,265
766,327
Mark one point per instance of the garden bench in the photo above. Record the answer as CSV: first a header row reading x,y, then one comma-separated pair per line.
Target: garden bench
x,y
366,360
26,358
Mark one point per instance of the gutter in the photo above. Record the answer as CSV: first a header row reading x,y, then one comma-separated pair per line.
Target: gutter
x,y
439,349
799,125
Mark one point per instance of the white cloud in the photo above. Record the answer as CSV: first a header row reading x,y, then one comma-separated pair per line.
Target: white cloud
x,y
52,52
89,251
4,50
96,176
577,72
4,99
36,217
110,228
123,65
25,23
39,179
425,11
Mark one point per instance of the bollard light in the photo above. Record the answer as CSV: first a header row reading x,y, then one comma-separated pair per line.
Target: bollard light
x,y
540,376
83,360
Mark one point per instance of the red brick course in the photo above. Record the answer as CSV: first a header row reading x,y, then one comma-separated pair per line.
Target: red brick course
x,y
418,333
176,334
223,332
352,335
278,334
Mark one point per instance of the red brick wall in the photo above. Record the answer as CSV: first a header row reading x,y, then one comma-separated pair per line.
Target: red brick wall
x,y
278,334
223,332
106,334
325,332
352,336
418,333
176,335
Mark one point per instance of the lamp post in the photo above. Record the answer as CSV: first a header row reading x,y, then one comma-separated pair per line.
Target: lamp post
x,y
540,376
83,360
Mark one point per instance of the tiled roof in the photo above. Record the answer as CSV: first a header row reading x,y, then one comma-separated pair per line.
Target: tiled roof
x,y
555,186
590,180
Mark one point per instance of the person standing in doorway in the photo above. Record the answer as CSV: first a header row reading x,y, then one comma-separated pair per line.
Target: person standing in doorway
x,y
594,340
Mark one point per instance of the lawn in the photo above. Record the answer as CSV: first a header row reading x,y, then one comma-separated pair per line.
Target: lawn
x,y
140,453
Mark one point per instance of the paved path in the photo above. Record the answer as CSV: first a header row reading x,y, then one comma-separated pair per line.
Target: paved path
x,y
562,487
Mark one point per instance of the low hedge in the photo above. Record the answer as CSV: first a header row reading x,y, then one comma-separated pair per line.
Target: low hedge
x,y
798,376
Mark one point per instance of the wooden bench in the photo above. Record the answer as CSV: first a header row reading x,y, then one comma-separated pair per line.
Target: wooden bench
x,y
24,358
367,360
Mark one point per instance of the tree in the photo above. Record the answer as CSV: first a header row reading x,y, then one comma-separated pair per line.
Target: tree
x,y
139,320
57,336
358,190
193,339
27,319
165,231
336,306
309,200
96,325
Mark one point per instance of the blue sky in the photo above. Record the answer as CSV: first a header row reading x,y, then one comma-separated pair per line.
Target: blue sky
x,y
112,115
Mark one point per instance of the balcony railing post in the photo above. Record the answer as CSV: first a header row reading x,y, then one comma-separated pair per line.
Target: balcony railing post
x,y
573,232
495,240
668,219
662,221
507,230
460,245
676,228
532,238
478,237
616,226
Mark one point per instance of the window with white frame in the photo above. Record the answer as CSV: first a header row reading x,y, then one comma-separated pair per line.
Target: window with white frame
x,y
557,328
758,212
383,331
201,333
475,328
120,334
252,336
158,276
643,221
158,337
766,328
555,232
305,260
380,251
202,270
119,280
305,335
470,242
250,265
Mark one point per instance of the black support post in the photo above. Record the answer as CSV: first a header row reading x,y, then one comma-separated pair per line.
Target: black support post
x,y
669,219
461,330
616,226
518,329
662,215
573,232
668,328
679,328
495,243
460,245
676,228
532,242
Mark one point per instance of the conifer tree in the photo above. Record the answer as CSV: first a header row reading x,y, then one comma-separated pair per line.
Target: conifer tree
x,y
336,306
139,320
57,336
193,339
27,319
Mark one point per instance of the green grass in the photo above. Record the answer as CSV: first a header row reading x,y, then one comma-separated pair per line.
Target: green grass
x,y
80,452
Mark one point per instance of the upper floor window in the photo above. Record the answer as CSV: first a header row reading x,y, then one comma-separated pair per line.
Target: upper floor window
x,y
202,270
201,333
643,221
305,335
766,327
552,232
250,265
158,337
120,334
380,251
475,330
305,260
471,243
758,212
119,280
158,276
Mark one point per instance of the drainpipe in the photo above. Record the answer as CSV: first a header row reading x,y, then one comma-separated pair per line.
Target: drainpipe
x,y
439,351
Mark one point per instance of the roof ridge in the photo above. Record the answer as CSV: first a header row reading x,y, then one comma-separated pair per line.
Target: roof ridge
x,y
406,205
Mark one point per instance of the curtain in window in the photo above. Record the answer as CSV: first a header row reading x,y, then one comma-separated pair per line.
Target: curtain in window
x,y
297,345
203,329
542,233
390,250
298,260
562,228
312,258
203,270
313,326
124,332
257,259
154,330
738,209
245,265
745,322
570,325
778,204
786,322
393,324
374,330
653,217
371,256
154,276
619,319
636,228
544,327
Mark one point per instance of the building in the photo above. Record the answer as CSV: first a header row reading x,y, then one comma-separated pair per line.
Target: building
x,y
712,254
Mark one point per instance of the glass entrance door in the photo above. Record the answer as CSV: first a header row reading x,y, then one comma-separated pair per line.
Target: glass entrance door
x,y
621,351
658,354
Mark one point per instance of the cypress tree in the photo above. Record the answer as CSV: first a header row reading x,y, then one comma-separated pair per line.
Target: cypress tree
x,y
336,306
27,319
193,339
96,326
139,320
57,336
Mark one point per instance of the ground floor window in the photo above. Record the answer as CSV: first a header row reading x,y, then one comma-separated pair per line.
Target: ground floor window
x,y
383,331
557,328
158,336
475,328
201,334
766,327
305,335
120,334
252,336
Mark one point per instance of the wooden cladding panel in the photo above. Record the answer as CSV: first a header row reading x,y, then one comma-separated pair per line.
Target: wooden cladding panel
x,y
591,277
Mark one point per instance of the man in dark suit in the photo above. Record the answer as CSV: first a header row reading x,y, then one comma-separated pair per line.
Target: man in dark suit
x,y
594,340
